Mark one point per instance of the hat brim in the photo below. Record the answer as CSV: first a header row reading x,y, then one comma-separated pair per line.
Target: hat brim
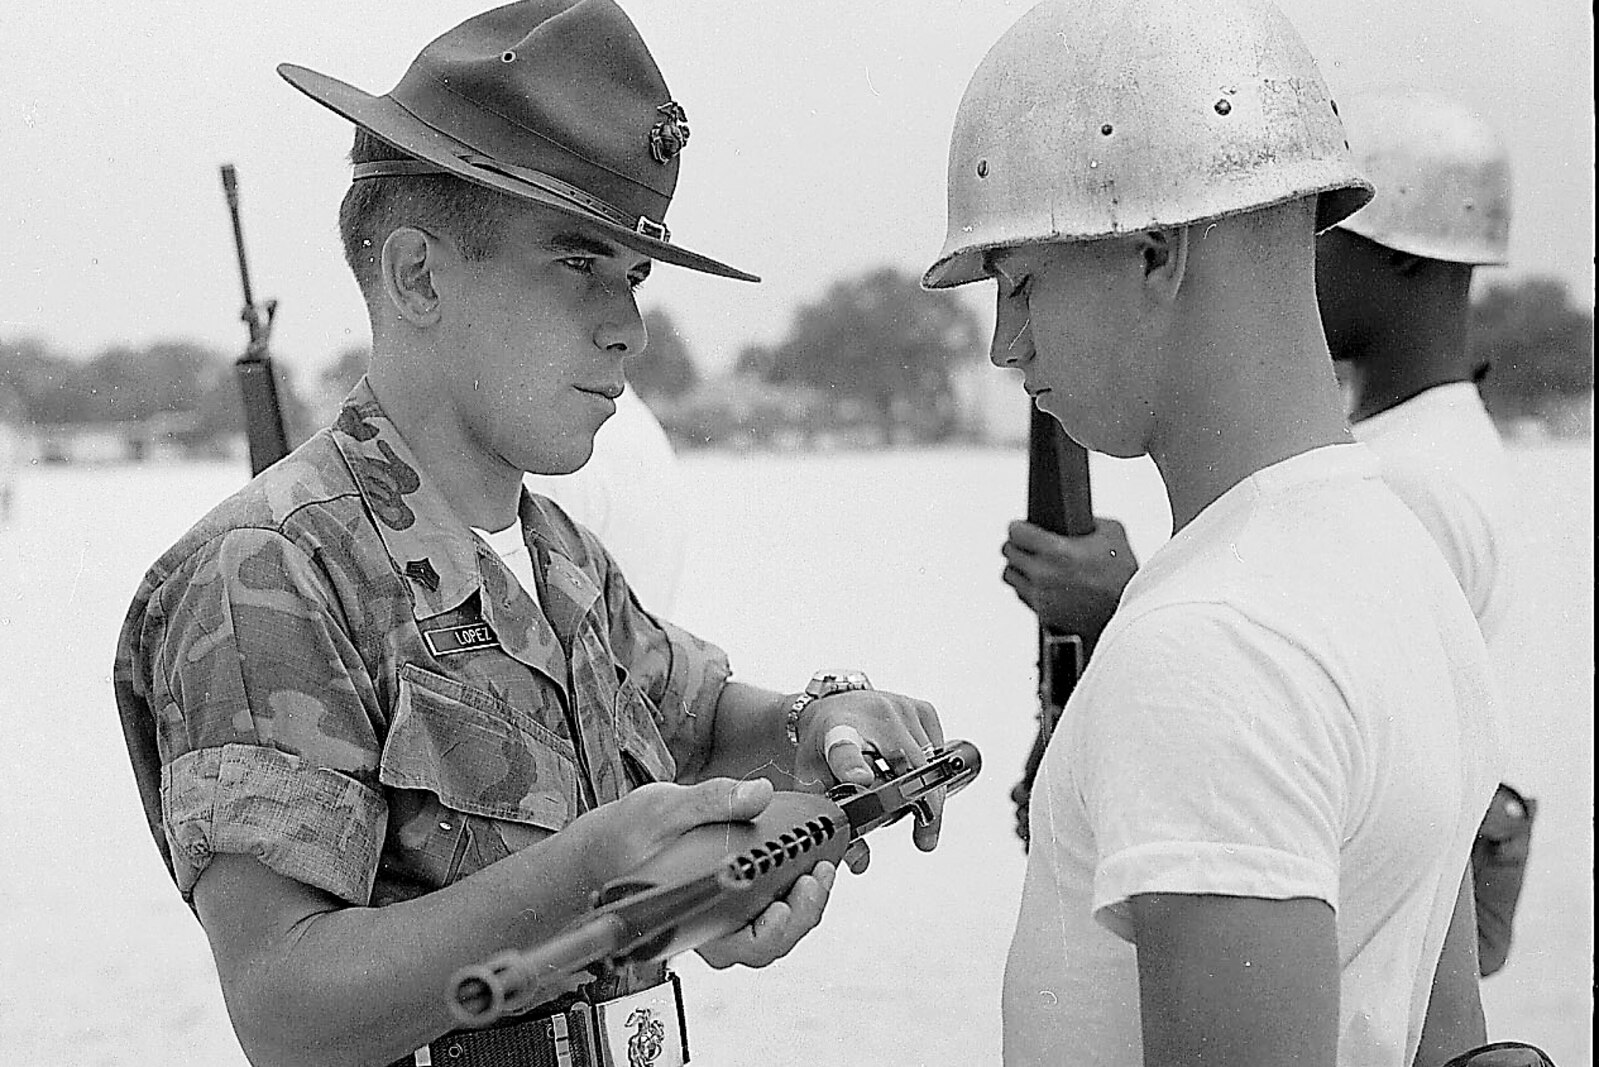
x,y
391,122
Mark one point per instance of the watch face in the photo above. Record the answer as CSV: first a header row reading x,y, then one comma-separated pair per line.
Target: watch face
x,y
826,682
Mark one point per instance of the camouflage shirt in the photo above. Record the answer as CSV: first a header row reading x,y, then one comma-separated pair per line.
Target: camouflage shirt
x,y
330,672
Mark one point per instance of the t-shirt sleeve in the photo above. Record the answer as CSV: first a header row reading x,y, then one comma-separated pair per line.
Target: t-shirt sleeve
x,y
264,718
1211,756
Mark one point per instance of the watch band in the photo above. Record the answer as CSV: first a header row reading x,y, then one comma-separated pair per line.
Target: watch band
x,y
791,722
822,684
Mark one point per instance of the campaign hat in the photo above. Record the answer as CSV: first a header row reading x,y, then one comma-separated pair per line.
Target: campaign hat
x,y
557,102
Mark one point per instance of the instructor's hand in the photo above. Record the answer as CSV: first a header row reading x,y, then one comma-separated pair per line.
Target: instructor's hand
x,y
622,835
777,929
836,732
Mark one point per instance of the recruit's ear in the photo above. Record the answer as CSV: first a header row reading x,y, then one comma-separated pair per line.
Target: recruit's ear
x,y
1163,254
405,267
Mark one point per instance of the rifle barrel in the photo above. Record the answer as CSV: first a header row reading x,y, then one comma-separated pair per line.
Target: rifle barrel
x,y
482,993
230,187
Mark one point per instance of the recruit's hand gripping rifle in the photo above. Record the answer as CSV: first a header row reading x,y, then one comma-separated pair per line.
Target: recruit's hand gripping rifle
x,y
710,882
263,415
1059,500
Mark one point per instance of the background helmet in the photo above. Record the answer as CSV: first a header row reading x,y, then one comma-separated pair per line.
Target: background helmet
x,y
1095,118
1442,178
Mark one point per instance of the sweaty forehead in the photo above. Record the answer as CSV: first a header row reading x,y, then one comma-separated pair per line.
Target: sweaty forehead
x,y
577,240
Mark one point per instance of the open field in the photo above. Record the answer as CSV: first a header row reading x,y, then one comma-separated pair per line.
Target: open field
x,y
887,561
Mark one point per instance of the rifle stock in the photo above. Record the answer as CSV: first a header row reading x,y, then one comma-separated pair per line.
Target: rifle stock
x,y
1059,500
263,412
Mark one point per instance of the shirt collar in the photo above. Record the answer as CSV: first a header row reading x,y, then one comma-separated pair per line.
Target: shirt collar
x,y
443,562
1440,399
429,544
1349,460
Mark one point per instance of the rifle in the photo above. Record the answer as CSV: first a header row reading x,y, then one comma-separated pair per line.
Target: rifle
x,y
712,881
1059,500
263,414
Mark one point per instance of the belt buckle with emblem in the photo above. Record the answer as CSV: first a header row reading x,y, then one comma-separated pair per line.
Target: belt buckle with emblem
x,y
644,1029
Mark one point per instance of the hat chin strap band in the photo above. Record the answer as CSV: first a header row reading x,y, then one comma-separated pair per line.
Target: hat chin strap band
x,y
416,168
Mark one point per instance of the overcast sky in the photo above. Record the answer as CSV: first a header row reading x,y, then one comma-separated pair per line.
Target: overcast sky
x,y
820,132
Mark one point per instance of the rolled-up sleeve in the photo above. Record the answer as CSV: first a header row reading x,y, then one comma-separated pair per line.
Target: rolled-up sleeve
x,y
307,823
264,718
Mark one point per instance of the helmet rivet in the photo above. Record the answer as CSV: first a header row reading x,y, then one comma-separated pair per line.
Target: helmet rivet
x,y
982,168
1106,129
1223,107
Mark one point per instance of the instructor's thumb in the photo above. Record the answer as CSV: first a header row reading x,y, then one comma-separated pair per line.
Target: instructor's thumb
x,y
844,750
732,799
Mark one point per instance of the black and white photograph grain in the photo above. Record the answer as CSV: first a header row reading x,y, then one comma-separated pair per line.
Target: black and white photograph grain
x,y
749,533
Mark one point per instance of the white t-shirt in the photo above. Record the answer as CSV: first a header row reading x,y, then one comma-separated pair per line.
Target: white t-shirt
x,y
1442,455
1291,701
630,495
512,549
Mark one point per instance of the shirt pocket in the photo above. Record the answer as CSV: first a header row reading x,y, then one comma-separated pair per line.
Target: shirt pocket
x,y
639,737
477,754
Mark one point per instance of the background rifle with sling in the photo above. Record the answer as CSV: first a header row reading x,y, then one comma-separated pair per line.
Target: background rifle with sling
x,y
1059,500
263,415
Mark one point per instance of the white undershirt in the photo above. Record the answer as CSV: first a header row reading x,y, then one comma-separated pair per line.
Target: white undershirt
x,y
1443,457
512,549
630,494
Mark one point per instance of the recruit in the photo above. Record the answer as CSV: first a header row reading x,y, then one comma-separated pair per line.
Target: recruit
x,y
1250,830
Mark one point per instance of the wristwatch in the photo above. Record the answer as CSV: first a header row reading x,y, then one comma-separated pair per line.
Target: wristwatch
x,y
822,684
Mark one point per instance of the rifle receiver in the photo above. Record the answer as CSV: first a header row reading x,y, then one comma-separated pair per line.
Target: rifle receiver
x,y
263,413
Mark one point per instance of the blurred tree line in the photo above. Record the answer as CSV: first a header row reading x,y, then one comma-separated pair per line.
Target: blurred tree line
x,y
867,362
1538,346
189,388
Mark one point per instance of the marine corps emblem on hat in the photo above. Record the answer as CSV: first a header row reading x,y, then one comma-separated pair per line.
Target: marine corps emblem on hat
x,y
554,101
668,136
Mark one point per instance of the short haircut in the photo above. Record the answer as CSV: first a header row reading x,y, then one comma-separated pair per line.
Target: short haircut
x,y
469,214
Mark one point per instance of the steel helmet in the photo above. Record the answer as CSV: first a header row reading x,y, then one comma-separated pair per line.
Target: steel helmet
x,y
1094,118
1442,178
